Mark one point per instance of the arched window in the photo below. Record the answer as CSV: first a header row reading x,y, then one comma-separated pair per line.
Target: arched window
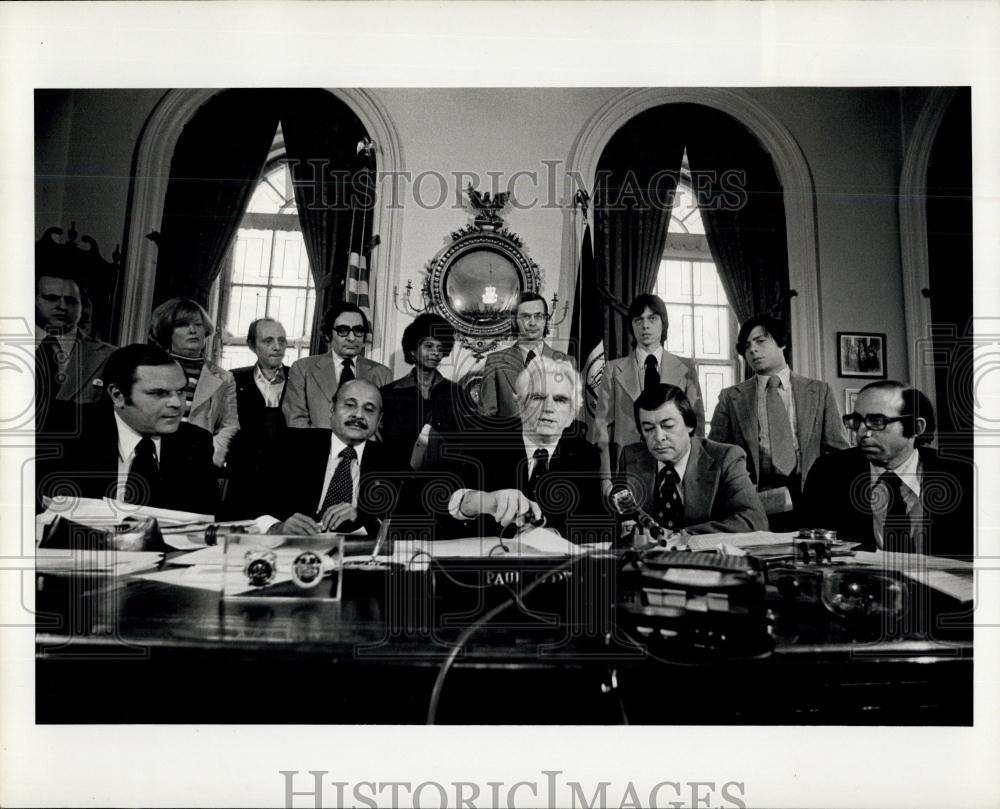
x,y
702,323
266,273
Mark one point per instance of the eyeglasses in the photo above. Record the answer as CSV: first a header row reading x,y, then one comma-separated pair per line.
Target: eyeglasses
x,y
526,317
873,421
343,331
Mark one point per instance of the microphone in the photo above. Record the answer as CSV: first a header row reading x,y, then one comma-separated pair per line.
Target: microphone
x,y
624,502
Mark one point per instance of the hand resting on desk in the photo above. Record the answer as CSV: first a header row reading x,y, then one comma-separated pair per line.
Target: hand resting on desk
x,y
303,525
504,505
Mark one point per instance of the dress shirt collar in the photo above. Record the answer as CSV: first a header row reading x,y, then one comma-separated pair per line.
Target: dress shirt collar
x,y
410,380
641,354
785,375
530,445
264,379
336,445
129,438
66,339
681,466
908,471
526,347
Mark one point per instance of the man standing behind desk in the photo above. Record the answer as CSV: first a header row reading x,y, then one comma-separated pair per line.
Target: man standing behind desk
x,y
134,448
685,482
784,422
260,389
530,324
332,479
524,469
313,381
892,491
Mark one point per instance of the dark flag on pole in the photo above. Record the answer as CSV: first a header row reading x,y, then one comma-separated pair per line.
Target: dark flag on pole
x,y
588,319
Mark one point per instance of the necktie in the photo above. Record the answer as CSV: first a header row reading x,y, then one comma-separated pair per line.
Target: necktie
x,y
528,358
669,508
896,534
46,371
652,378
347,372
779,430
341,489
541,467
143,475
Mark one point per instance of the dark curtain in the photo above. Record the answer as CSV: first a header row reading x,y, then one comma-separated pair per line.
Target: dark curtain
x,y
743,209
216,165
321,140
634,192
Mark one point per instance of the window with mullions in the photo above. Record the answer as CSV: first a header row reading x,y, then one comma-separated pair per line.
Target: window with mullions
x,y
702,324
266,274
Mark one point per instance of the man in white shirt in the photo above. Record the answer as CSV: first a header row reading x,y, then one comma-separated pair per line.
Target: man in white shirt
x,y
336,479
530,324
892,491
312,381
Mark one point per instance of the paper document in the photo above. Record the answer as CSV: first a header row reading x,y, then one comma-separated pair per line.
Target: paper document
x,y
63,560
750,539
94,512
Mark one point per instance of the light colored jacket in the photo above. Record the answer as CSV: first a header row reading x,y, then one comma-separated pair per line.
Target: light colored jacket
x,y
213,408
312,383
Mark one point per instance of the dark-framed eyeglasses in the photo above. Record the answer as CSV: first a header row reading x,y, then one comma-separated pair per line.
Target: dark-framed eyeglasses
x,y
343,331
873,421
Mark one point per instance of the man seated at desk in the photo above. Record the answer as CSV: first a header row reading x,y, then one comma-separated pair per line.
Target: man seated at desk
x,y
334,479
534,466
687,483
133,447
893,492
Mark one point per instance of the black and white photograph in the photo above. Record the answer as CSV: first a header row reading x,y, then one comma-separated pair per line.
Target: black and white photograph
x,y
537,414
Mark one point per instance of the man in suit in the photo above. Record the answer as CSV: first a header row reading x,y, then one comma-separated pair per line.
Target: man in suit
x,y
133,446
687,483
336,479
524,469
260,389
784,422
312,381
68,362
626,378
530,324
892,491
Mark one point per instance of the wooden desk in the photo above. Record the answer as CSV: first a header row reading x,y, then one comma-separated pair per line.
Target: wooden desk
x,y
135,651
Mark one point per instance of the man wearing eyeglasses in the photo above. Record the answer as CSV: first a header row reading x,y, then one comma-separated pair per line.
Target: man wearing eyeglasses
x,y
530,323
892,492
313,381
784,422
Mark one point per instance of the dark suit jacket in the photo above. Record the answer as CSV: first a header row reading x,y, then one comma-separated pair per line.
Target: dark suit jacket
x,y
88,462
569,493
404,413
83,373
837,495
818,426
255,447
496,393
305,454
719,497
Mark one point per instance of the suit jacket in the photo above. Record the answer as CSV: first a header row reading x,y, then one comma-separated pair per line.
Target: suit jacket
x,y
254,449
306,452
837,495
214,408
88,463
719,497
311,385
569,493
83,382
817,422
404,413
496,392
614,420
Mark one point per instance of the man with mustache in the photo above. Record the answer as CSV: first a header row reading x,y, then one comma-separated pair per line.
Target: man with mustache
x,y
684,482
784,422
892,492
530,324
335,479
520,470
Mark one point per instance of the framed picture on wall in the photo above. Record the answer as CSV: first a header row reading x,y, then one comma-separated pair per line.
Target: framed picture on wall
x,y
850,395
861,355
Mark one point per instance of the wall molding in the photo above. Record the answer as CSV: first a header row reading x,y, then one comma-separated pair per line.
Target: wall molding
x,y
151,173
913,235
793,172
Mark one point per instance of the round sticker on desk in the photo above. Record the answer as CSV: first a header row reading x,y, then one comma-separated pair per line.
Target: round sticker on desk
x,y
260,567
307,569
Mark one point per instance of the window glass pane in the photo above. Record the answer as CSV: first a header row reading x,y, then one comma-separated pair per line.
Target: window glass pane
x,y
680,337
705,286
246,304
711,333
268,197
289,306
713,378
291,264
236,356
673,283
251,255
